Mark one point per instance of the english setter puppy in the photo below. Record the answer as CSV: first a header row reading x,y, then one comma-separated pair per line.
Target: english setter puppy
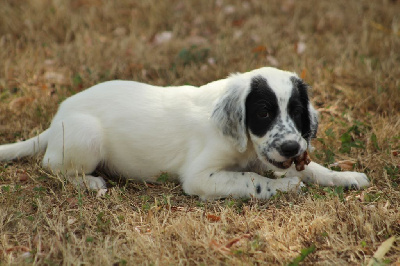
x,y
215,138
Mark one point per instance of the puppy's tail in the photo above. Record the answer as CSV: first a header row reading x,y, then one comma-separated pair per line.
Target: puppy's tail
x,y
25,148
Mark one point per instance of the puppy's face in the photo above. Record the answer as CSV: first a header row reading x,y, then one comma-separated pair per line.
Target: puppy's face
x,y
279,117
271,107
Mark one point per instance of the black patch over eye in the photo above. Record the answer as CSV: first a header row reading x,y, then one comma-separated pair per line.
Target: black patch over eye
x,y
263,113
261,107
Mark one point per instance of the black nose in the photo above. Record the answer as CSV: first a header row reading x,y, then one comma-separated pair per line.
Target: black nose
x,y
289,148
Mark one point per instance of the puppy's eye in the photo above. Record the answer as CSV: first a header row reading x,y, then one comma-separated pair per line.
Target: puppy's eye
x,y
263,114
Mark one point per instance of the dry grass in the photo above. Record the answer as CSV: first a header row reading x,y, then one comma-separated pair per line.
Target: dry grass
x,y
349,51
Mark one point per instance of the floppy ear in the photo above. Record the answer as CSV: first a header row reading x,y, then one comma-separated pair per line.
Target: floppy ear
x,y
313,121
313,126
229,114
310,122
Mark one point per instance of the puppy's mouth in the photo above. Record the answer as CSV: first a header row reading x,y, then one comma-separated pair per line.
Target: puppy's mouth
x,y
300,161
282,165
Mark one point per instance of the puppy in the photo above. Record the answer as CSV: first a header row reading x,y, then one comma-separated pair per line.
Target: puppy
x,y
213,138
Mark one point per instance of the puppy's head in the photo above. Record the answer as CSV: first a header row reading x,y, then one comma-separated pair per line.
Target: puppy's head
x,y
272,108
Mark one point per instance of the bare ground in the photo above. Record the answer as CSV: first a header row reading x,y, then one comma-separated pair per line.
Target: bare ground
x,y
348,51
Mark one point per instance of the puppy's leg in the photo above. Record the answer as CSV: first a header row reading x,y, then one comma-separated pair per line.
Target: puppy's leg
x,y
315,173
75,149
220,184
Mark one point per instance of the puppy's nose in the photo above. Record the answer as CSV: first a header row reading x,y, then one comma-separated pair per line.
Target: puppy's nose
x,y
290,148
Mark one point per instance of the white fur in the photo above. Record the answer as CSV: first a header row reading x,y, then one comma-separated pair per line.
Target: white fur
x,y
139,131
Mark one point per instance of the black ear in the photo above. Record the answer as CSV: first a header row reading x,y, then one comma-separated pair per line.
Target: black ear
x,y
229,113
313,125
309,122
313,121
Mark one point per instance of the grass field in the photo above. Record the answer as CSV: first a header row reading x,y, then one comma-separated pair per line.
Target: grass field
x,y
348,51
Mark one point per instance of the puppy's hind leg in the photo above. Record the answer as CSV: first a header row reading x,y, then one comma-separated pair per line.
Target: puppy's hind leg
x,y
75,149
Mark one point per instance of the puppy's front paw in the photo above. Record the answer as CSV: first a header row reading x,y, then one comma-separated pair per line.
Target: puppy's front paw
x,y
360,180
352,180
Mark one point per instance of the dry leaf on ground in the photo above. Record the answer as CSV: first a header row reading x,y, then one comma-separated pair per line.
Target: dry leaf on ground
x,y
22,176
213,218
227,247
345,165
381,251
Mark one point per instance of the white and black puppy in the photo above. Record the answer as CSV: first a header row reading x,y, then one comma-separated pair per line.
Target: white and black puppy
x,y
213,138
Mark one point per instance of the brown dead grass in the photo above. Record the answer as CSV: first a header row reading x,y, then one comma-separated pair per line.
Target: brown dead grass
x,y
349,51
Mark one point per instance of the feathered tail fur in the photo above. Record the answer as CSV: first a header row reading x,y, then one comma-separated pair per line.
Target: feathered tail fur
x,y
25,148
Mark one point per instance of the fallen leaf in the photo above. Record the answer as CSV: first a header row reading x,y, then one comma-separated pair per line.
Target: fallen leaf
x,y
345,165
221,248
381,251
232,242
23,177
259,49
226,248
237,239
213,218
